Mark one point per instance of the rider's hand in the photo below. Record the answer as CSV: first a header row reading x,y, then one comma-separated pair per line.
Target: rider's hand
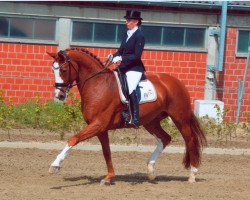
x,y
117,59
115,69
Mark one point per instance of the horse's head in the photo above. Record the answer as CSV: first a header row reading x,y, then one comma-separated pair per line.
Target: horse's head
x,y
65,71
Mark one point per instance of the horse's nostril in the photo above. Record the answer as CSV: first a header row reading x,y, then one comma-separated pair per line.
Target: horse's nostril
x,y
61,97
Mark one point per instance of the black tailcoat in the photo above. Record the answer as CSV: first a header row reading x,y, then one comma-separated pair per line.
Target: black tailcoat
x,y
131,52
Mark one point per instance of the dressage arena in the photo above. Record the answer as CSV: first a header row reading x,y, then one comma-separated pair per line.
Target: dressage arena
x,y
24,174
202,44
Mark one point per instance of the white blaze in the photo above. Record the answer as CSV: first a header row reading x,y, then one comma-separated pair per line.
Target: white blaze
x,y
57,77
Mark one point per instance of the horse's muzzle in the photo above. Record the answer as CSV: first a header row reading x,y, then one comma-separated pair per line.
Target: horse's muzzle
x,y
62,96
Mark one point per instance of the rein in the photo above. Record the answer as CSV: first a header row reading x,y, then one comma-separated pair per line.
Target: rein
x,y
107,64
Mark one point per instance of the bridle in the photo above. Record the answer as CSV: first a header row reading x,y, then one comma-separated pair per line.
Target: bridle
x,y
68,84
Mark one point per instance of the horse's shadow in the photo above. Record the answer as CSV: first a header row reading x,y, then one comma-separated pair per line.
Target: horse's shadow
x,y
132,179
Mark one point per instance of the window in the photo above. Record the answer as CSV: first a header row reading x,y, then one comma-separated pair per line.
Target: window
x,y
173,36
40,32
195,37
27,28
121,31
152,35
21,28
104,32
82,31
243,41
96,32
4,26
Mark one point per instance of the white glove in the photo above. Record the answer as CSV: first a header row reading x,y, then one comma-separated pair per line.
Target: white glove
x,y
117,59
110,57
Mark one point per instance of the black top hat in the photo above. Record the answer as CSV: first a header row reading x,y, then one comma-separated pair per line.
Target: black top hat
x,y
133,14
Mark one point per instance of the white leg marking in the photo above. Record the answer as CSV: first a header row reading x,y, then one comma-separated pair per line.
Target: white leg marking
x,y
193,172
61,156
153,158
157,152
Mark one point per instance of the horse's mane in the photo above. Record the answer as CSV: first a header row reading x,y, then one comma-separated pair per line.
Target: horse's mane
x,y
86,52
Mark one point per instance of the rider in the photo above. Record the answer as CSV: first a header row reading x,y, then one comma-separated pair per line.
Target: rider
x,y
128,57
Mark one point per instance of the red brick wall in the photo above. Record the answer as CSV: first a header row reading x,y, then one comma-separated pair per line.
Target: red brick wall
x,y
190,68
25,71
228,79
31,62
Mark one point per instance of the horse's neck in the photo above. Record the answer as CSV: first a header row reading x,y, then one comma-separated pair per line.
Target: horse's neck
x,y
88,67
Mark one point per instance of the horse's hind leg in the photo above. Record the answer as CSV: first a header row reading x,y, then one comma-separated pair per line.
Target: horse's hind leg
x,y
194,140
104,139
163,140
190,159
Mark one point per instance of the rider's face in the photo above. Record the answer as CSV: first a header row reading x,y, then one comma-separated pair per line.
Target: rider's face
x,y
131,23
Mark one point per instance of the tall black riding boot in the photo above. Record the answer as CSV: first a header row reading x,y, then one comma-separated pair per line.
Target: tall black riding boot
x,y
134,105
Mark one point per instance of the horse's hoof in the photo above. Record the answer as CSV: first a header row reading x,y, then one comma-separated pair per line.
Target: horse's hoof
x,y
105,182
191,179
54,169
151,172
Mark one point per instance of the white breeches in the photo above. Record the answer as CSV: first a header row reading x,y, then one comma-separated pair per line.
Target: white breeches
x,y
133,79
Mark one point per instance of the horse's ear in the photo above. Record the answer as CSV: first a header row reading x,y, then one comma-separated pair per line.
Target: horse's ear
x,y
61,56
53,55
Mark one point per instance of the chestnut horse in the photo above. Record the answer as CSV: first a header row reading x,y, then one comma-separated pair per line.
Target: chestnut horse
x,y
102,108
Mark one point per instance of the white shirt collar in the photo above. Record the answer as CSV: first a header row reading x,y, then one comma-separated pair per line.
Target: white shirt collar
x,y
130,32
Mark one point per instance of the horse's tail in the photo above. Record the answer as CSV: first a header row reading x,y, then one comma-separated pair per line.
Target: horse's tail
x,y
199,139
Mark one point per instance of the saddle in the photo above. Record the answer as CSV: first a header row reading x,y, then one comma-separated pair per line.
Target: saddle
x,y
145,90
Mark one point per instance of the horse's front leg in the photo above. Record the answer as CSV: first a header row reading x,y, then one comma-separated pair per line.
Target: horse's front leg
x,y
104,139
88,132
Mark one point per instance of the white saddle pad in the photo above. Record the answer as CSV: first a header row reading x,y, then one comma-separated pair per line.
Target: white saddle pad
x,y
148,92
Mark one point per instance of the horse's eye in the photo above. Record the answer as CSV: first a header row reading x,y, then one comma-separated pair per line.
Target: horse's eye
x,y
63,70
